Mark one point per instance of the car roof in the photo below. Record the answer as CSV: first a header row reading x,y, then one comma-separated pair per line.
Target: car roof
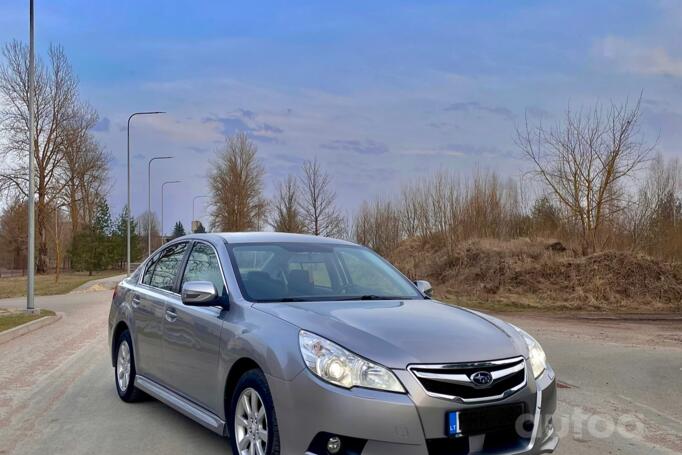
x,y
268,237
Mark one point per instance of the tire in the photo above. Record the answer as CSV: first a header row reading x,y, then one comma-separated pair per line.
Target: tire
x,y
124,378
250,382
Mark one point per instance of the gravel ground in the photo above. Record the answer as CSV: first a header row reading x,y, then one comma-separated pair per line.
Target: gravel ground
x,y
57,393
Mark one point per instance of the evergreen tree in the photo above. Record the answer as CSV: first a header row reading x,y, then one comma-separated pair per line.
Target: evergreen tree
x,y
178,230
200,229
91,248
119,239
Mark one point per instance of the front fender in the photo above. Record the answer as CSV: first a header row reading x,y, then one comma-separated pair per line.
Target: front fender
x,y
268,341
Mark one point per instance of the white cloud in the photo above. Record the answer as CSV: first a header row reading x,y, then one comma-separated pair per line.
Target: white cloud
x,y
635,58
434,152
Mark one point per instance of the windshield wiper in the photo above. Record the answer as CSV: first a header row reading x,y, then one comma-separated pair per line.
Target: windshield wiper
x,y
374,297
283,300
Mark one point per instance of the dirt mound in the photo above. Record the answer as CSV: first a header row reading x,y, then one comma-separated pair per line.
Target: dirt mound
x,y
541,275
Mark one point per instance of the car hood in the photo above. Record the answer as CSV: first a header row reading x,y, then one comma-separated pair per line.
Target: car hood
x,y
399,333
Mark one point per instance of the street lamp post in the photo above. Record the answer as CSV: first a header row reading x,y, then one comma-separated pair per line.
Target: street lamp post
x,y
57,243
193,201
130,212
30,304
149,201
163,185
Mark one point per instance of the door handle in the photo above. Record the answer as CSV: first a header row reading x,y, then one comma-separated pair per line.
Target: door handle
x,y
171,316
135,301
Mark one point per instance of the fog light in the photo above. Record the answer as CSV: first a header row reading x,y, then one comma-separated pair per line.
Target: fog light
x,y
334,445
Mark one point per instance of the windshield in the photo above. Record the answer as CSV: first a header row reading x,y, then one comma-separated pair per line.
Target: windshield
x,y
300,272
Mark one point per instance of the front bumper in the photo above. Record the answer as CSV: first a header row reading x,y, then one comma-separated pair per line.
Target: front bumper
x,y
396,424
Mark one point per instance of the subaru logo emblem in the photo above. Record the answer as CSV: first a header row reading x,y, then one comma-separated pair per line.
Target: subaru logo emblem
x,y
482,378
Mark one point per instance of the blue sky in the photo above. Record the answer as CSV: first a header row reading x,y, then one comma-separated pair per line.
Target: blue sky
x,y
382,92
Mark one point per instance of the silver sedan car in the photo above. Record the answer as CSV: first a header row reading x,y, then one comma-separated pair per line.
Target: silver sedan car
x,y
293,344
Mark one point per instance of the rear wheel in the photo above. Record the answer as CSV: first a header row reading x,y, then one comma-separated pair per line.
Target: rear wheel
x,y
253,419
125,369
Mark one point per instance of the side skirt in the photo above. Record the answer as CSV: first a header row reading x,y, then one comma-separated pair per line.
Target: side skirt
x,y
182,405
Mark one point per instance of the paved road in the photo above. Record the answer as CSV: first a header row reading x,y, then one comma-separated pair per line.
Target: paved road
x,y
57,393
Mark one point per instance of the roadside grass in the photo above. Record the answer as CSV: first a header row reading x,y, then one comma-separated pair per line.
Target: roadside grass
x,y
11,319
534,275
496,305
46,285
516,304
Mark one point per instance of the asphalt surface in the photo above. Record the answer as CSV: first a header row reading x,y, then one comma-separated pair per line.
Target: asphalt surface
x,y
57,390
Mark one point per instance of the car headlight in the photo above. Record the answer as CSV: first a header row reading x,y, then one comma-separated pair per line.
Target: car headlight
x,y
336,365
536,355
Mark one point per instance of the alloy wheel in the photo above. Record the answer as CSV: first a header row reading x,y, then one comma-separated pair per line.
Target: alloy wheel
x,y
251,424
123,366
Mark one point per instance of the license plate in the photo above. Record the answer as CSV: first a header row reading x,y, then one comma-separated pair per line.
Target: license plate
x,y
483,420
453,424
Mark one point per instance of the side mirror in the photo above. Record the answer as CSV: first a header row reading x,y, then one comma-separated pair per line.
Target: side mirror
x,y
424,287
199,293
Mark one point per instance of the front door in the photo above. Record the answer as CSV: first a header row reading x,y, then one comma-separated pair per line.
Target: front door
x,y
192,335
149,307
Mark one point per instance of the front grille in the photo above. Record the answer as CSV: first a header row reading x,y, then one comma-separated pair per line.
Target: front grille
x,y
454,381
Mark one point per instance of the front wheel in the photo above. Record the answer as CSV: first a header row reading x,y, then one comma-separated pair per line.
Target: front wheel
x,y
253,419
125,370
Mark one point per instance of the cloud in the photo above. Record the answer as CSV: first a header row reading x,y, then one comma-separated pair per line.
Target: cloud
x,y
246,121
474,151
537,112
265,139
444,126
271,129
435,153
665,121
103,125
291,159
196,149
228,125
632,57
478,151
475,106
247,113
366,147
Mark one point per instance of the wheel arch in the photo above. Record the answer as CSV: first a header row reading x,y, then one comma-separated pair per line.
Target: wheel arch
x,y
118,330
240,367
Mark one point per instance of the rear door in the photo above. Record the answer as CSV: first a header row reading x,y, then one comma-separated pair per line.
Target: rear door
x,y
192,338
149,302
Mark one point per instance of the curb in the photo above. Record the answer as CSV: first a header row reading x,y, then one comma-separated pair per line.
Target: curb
x,y
29,327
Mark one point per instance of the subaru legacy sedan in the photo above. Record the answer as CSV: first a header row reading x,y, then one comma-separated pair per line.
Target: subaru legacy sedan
x,y
293,344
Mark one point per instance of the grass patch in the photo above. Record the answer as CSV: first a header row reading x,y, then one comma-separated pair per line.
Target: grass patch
x,y
11,319
533,275
46,284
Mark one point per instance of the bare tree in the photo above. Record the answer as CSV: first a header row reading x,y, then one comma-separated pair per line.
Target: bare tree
x,y
318,202
57,107
286,216
144,222
84,169
377,225
584,161
652,219
236,181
